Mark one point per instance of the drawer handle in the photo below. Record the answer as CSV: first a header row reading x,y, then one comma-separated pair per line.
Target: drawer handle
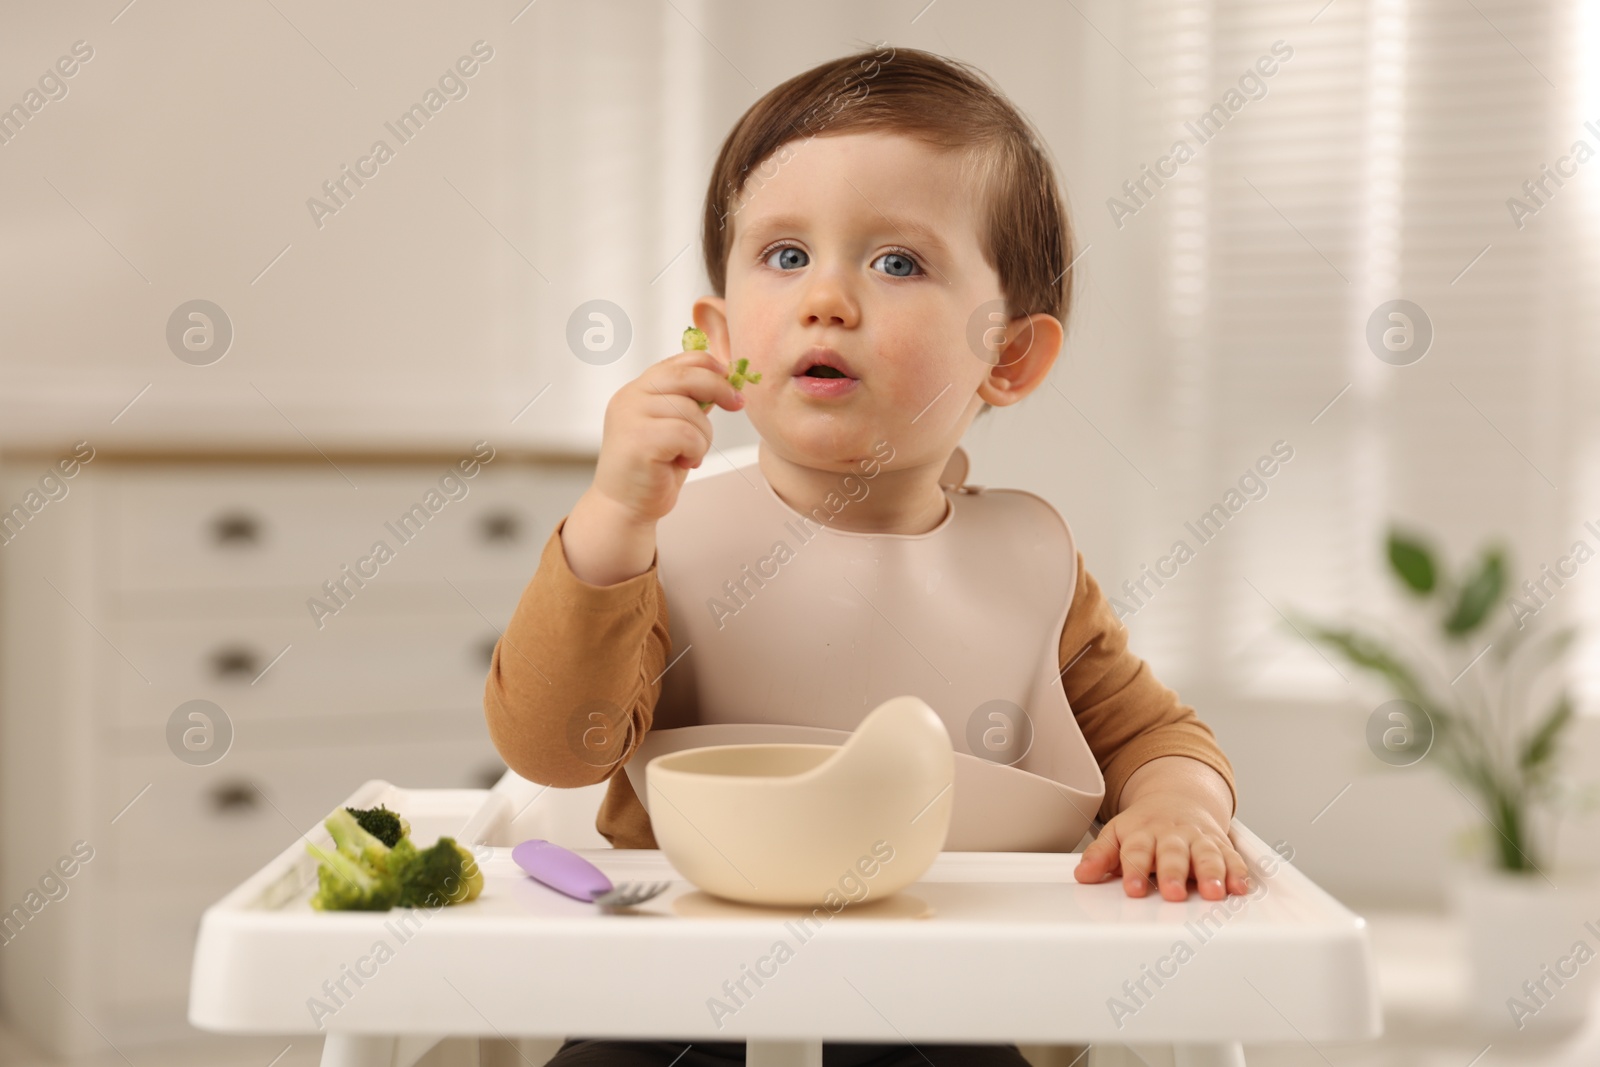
x,y
235,797
500,526
236,528
234,664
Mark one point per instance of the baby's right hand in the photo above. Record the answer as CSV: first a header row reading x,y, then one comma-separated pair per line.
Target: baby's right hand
x,y
655,432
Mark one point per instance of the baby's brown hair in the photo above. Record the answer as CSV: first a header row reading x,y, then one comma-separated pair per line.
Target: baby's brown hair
x,y
1025,233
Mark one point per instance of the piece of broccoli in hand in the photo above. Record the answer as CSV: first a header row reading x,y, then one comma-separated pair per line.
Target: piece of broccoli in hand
x,y
345,884
694,340
444,873
387,826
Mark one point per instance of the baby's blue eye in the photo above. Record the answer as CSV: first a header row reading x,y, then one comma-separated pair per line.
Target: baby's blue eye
x,y
787,250
900,265
898,260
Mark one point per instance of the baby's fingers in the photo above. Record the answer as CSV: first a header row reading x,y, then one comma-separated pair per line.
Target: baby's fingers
x,y
1238,873
1138,855
1172,866
1209,868
1100,858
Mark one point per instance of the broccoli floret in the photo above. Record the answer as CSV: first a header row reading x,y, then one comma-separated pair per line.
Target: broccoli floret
x,y
694,340
355,842
355,875
363,873
387,826
344,884
443,873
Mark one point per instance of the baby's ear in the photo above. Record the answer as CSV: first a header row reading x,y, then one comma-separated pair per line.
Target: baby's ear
x,y
711,318
1025,359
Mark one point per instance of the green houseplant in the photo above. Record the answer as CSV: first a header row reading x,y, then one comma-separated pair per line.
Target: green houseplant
x,y
1472,688
1467,695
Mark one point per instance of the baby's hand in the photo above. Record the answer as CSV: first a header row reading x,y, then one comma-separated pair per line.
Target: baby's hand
x,y
654,435
1174,834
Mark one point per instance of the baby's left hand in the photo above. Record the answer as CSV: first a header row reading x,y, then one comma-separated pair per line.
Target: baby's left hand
x,y
1169,831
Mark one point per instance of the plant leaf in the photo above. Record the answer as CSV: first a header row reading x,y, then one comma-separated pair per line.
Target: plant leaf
x,y
1412,562
1367,652
1478,595
1544,740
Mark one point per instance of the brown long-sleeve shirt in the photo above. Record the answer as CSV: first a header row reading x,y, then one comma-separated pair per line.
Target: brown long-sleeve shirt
x,y
577,675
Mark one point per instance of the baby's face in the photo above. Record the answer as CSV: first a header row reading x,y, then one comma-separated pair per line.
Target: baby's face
x,y
865,243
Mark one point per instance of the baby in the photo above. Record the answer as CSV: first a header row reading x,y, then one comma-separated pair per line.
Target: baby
x,y
888,248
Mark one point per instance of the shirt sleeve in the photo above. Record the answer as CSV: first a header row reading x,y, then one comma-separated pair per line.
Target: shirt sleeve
x,y
575,677
1127,716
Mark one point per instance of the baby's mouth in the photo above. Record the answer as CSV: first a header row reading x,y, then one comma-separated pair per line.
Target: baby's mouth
x,y
824,372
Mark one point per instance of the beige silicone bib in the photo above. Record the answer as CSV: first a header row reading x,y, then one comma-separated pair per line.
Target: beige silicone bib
x,y
786,629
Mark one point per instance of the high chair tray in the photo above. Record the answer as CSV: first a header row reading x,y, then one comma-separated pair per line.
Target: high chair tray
x,y
1014,950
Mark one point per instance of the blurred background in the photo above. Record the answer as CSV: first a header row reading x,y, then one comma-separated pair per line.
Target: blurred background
x,y
239,342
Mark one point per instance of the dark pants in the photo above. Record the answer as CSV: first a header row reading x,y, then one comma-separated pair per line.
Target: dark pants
x,y
606,1052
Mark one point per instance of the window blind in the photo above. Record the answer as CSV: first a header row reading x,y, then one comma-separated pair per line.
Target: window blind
x,y
1373,163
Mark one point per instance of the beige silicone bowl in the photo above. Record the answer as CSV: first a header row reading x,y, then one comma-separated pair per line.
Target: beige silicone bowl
x,y
786,824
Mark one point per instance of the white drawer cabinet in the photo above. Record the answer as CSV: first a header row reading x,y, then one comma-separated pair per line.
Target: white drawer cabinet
x,y
209,527
151,584
283,668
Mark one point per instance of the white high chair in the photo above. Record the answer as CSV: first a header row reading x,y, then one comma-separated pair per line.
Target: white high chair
x,y
1012,950
1020,953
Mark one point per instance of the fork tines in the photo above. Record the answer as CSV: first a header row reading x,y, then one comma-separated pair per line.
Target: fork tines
x,y
627,894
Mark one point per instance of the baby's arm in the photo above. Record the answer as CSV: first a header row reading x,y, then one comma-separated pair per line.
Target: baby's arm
x,y
574,679
1169,787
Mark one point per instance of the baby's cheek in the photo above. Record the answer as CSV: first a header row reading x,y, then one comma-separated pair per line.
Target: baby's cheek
x,y
951,378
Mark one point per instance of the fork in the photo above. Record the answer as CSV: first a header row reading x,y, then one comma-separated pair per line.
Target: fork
x,y
568,873
627,894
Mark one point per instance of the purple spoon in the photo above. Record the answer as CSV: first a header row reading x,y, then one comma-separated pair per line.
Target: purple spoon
x,y
561,869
